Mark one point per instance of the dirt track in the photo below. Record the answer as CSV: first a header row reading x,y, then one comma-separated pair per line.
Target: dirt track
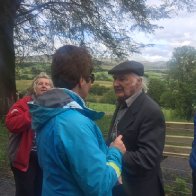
x,y
7,186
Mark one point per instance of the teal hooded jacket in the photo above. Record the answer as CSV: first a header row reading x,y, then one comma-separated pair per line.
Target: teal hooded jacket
x,y
71,149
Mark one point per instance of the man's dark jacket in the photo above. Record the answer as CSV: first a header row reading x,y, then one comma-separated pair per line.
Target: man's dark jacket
x,y
143,130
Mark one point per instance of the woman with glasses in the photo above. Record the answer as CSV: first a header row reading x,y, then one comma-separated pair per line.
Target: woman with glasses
x,y
71,148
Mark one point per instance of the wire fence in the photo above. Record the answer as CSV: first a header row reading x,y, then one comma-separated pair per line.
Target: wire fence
x,y
177,174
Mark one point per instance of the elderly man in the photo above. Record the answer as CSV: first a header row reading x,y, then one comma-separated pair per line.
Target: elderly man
x,y
139,119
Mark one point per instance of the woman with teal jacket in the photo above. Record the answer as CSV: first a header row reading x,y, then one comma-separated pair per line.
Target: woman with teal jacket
x,y
71,149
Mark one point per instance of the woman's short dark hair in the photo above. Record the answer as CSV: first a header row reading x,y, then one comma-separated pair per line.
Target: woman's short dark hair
x,y
69,64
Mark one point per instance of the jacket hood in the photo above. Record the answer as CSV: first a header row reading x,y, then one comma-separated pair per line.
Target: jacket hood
x,y
56,101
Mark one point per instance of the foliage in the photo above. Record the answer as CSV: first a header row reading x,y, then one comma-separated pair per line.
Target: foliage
x,y
7,58
103,76
93,98
167,99
156,88
100,92
170,115
104,83
23,85
102,107
181,78
98,89
28,70
179,188
104,124
97,92
39,24
155,74
109,97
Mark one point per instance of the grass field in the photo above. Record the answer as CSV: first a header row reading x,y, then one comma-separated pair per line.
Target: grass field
x,y
157,75
104,83
22,85
102,107
109,109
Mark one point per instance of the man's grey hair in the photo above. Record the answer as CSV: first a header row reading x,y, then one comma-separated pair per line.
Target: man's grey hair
x,y
144,82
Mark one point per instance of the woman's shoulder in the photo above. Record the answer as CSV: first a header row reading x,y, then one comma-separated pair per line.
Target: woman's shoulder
x,y
25,99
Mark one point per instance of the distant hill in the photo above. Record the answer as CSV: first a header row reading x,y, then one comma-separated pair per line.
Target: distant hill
x,y
36,59
158,65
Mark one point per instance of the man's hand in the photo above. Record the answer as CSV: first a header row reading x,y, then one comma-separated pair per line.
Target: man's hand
x,y
118,143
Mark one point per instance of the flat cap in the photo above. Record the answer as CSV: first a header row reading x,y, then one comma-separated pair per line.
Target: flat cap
x,y
128,67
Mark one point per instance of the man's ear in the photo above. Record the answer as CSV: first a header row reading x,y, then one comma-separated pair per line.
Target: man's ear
x,y
81,82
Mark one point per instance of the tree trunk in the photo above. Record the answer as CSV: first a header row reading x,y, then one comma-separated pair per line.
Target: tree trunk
x,y
7,55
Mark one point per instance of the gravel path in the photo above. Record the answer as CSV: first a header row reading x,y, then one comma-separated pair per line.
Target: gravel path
x,y
170,166
7,186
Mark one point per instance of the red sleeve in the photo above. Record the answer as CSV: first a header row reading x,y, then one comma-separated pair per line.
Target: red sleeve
x,y
18,118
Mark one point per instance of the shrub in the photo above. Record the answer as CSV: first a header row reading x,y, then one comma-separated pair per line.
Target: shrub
x,y
109,97
26,77
178,188
103,76
92,98
104,124
98,89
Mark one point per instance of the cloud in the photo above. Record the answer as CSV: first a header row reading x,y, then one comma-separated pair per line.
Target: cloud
x,y
177,32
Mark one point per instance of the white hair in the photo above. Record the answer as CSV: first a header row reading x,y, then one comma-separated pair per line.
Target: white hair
x,y
31,90
144,82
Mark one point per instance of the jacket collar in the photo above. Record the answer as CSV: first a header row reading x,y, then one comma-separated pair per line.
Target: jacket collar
x,y
130,114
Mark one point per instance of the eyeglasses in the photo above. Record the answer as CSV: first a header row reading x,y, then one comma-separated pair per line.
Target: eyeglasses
x,y
91,78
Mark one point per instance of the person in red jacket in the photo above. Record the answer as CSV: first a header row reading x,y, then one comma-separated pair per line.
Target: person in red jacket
x,y
22,147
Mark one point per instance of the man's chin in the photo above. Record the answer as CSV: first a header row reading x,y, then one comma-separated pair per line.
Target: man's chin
x,y
121,98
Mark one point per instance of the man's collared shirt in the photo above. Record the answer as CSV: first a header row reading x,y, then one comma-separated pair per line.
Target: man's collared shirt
x,y
121,112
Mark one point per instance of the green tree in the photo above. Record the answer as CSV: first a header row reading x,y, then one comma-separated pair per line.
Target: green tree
x,y
155,89
167,99
99,89
182,77
109,97
7,55
34,26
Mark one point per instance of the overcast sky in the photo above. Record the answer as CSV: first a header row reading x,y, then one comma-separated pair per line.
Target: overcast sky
x,y
177,32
